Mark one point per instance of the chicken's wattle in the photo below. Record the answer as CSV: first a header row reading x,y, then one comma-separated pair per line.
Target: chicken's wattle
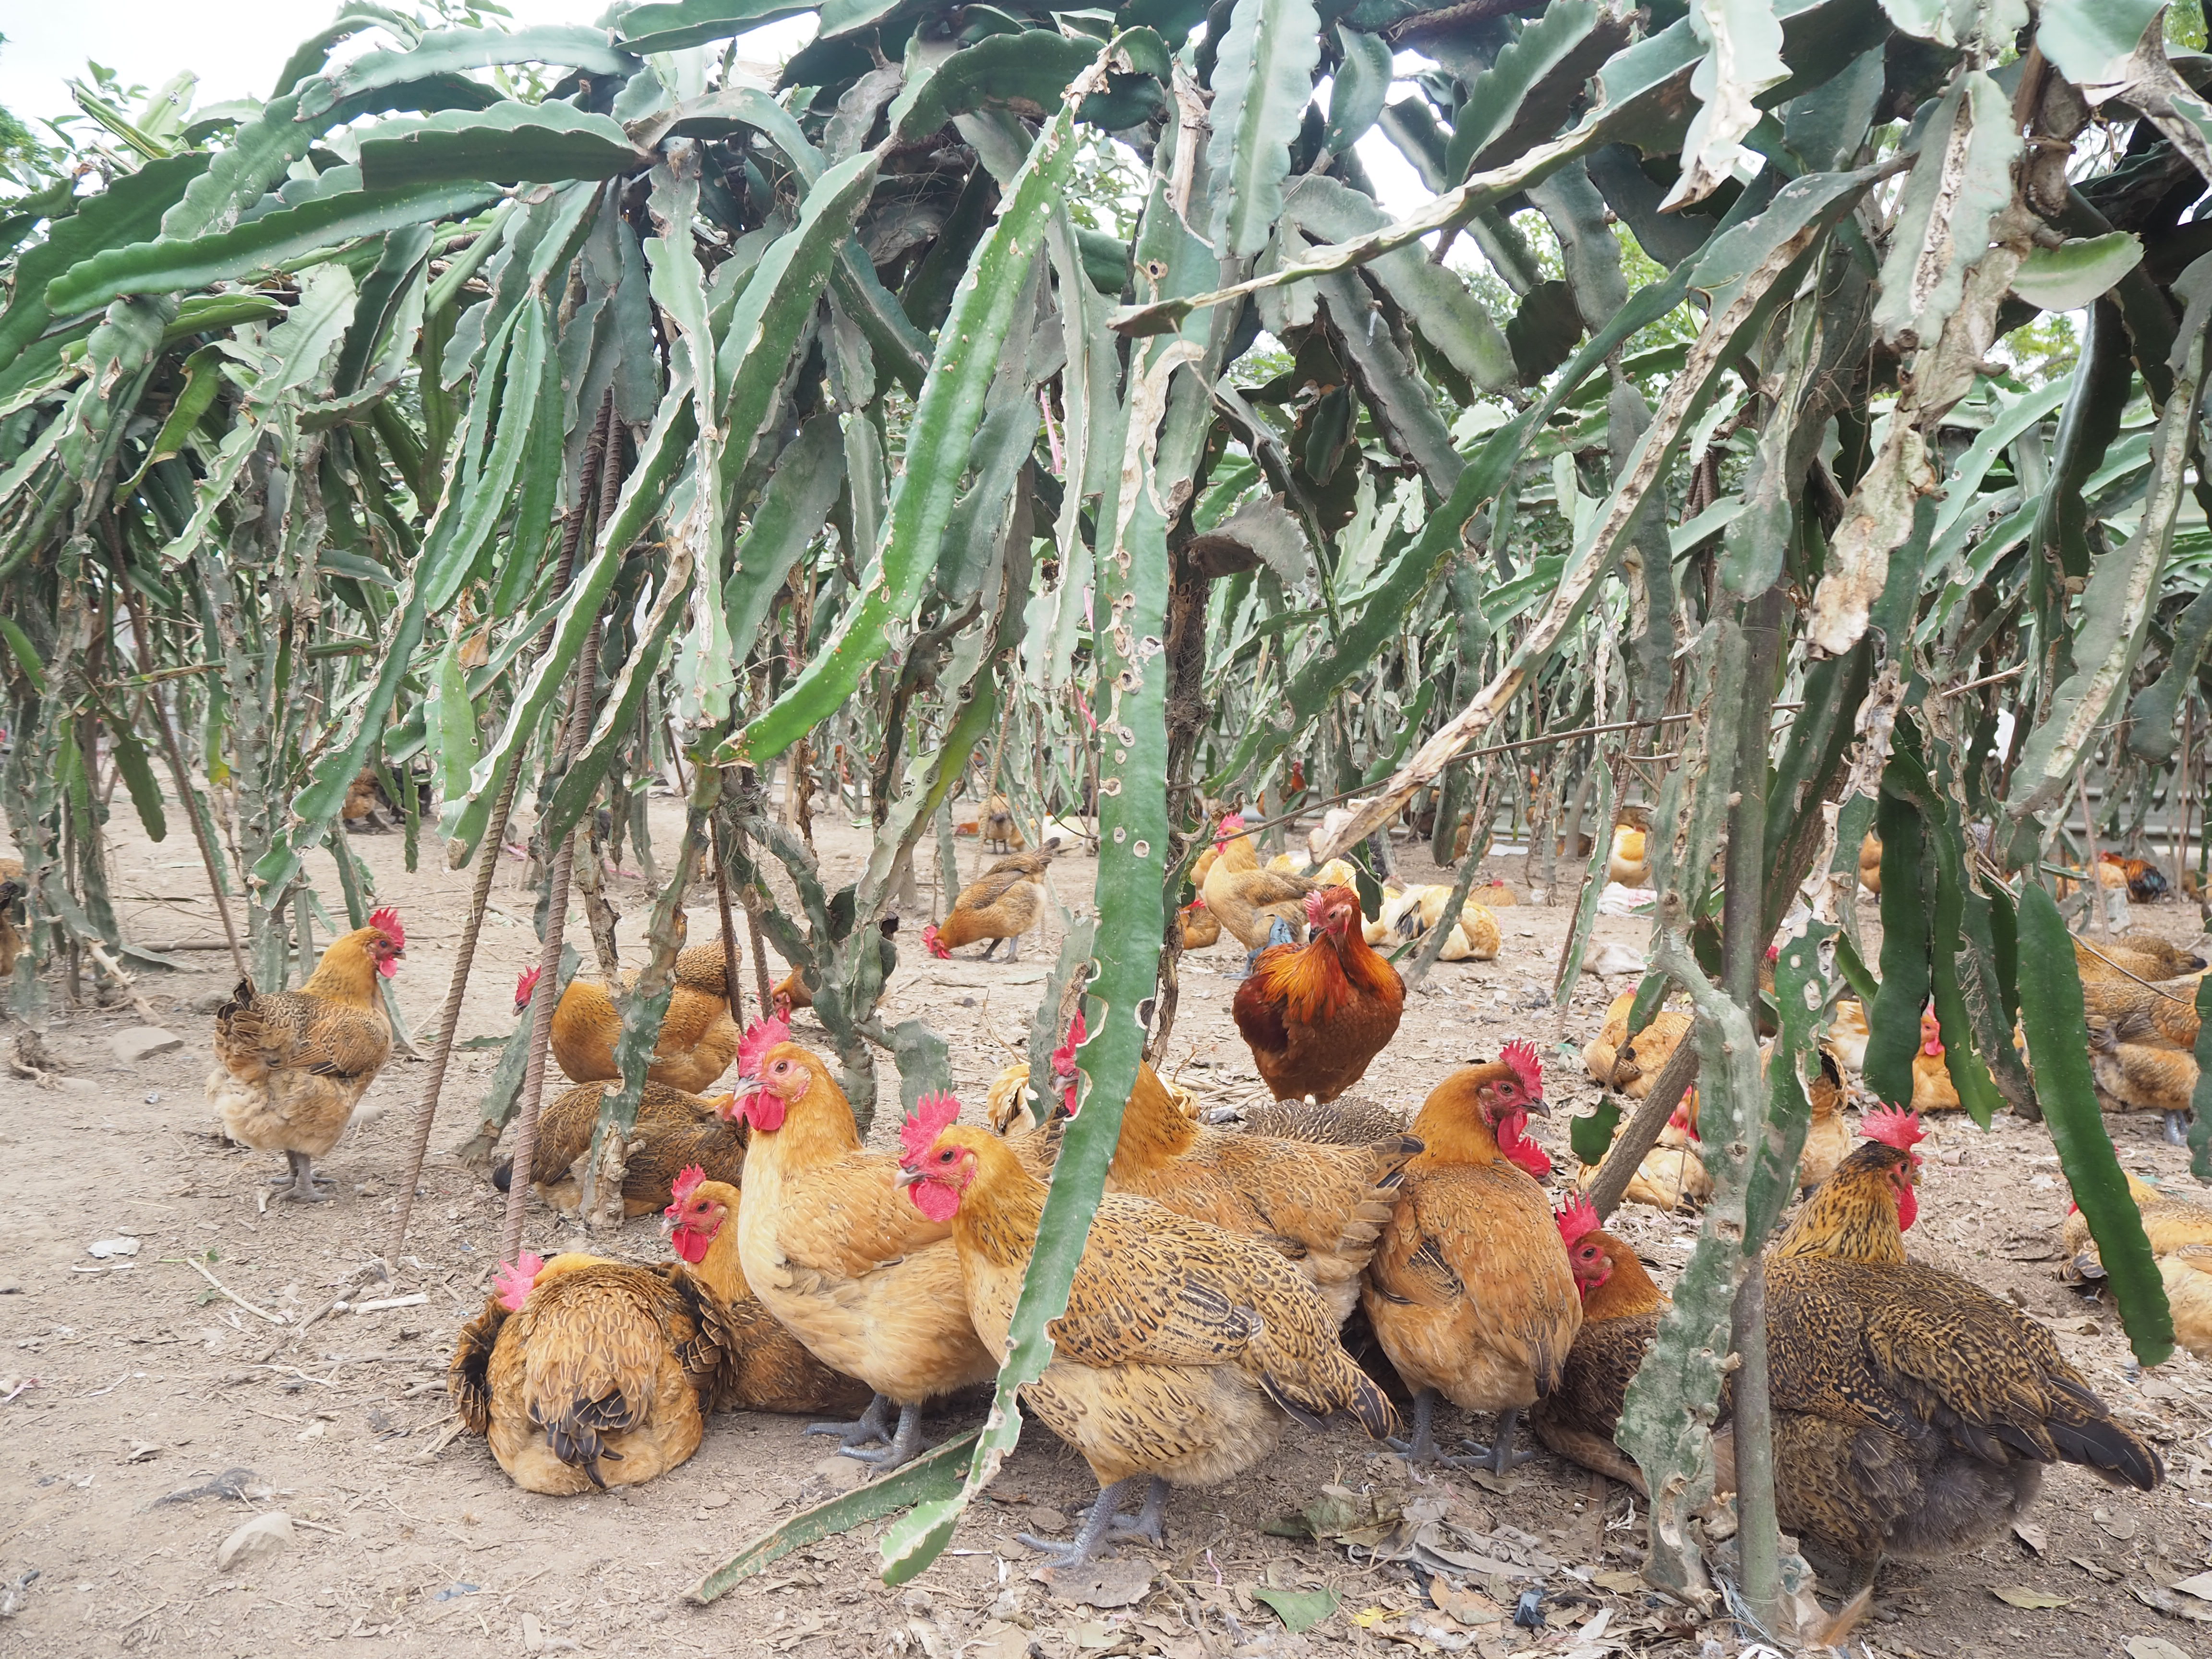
x,y
935,1200
1908,1208
691,1245
763,1111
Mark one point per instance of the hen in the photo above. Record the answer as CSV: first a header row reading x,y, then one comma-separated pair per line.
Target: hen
x,y
2135,955
1870,863
1000,832
2144,1077
1673,1175
1347,1120
765,1367
673,1130
1248,900
291,1065
1201,928
1621,1315
792,991
1002,903
1932,1088
1913,1411
1410,914
1849,1034
588,1373
1315,1016
1630,1064
1470,1292
1323,1206
1627,861
2172,1222
694,1046
1828,1137
1184,1350
833,1250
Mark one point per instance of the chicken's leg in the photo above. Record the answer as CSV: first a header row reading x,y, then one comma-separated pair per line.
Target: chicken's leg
x,y
1498,1457
1421,1446
904,1445
1145,1523
301,1185
874,1423
1091,1538
989,945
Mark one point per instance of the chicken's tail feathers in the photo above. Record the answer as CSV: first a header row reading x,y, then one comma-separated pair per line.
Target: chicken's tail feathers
x,y
1334,1386
1391,1153
502,1175
2102,1444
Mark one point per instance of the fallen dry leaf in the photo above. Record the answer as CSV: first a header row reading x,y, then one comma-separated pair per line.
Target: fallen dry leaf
x,y
1118,1582
2122,1527
2200,1586
2154,1647
1467,1606
2032,1535
2019,1595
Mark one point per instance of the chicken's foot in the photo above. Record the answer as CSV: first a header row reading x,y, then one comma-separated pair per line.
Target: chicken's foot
x,y
989,945
874,1423
2176,1128
1499,1457
904,1445
301,1185
1091,1537
1421,1446
1145,1524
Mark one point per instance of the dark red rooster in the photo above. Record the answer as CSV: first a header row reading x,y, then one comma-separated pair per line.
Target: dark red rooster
x,y
1315,1015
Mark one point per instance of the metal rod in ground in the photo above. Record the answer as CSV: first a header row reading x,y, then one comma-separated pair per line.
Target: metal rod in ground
x,y
449,1022
1641,1133
542,999
732,981
754,801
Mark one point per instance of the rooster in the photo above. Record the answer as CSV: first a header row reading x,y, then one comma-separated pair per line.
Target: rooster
x,y
831,1248
291,1065
1913,1411
766,1368
1184,1350
1316,1016
2145,881
1002,903
1470,1291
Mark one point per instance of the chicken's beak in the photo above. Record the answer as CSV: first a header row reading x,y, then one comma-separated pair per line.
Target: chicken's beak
x,y
907,1177
1536,1106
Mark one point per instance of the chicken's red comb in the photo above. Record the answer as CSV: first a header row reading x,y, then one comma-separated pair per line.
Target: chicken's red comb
x,y
387,921
932,1116
683,1186
1231,823
1198,903
760,1036
1528,1065
1316,901
1063,1058
513,1281
1892,1127
526,984
1576,1217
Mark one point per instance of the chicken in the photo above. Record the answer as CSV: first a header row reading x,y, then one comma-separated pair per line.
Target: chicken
x,y
2134,954
1002,903
1932,1088
2188,1277
1410,914
1185,1348
1347,1120
1000,832
694,1046
2144,881
1627,861
765,1367
1632,1066
1495,894
792,991
1621,1315
1315,1016
1913,1410
2157,1015
1849,1033
1009,1111
1673,1175
1828,1138
1870,863
1201,928
673,1130
1248,900
2144,1077
291,1065
832,1250
2172,1222
1470,1291
11,940
1321,1205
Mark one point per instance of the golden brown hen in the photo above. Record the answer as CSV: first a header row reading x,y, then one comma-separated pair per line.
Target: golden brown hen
x,y
2172,1221
1323,1206
766,1368
586,1373
1002,903
291,1065
1631,1065
673,1130
1913,1411
694,1046
833,1250
1469,1291
1184,1350
1248,900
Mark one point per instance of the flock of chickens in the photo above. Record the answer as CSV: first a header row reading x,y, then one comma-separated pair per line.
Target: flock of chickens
x,y
1323,1259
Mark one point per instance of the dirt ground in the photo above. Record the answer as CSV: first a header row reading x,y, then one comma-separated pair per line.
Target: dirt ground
x,y
152,1415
